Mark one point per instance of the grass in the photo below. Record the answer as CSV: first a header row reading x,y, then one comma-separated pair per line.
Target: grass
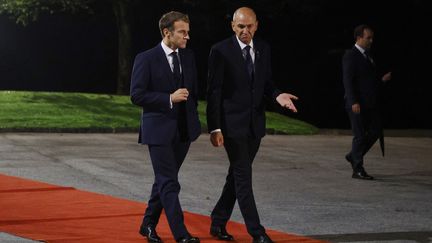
x,y
55,111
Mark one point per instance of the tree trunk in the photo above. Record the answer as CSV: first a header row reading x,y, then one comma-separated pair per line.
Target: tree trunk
x,y
120,8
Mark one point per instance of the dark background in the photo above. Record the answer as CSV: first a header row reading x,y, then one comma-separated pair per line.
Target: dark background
x,y
64,52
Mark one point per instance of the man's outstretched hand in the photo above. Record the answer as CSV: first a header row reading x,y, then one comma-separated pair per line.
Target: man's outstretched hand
x,y
286,100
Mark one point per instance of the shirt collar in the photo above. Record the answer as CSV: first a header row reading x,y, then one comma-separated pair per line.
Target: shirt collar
x,y
167,50
243,45
360,49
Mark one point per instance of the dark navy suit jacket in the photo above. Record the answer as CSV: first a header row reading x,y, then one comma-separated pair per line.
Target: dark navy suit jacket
x,y
235,103
151,86
360,80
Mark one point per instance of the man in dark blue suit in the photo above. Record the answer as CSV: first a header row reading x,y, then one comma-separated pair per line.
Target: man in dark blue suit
x,y
362,98
164,84
239,78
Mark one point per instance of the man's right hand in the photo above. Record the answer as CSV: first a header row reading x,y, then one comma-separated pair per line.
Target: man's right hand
x,y
356,108
179,95
387,77
217,139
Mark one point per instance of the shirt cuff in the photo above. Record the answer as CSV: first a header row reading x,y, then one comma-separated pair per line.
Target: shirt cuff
x,y
216,130
171,104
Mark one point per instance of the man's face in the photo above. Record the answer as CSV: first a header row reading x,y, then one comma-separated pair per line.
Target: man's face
x,y
179,36
244,25
366,40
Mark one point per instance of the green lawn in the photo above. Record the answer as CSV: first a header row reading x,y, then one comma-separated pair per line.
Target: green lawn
x,y
55,111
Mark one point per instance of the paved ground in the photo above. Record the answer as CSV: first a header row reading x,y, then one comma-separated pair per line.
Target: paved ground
x,y
302,183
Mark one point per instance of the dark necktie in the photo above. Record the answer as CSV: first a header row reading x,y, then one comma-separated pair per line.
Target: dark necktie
x,y
368,58
249,62
182,112
176,69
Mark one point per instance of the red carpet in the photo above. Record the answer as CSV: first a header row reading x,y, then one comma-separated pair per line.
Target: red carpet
x,y
51,213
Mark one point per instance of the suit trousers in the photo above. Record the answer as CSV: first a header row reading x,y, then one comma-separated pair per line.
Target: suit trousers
x,y
367,128
167,160
238,185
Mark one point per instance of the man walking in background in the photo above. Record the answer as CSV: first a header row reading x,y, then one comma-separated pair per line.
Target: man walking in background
x,y
362,98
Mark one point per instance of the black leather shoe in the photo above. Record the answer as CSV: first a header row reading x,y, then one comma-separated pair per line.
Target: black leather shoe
x,y
262,239
220,233
362,175
348,158
150,233
189,239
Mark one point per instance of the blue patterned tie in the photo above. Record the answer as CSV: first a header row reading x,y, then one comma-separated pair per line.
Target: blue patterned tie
x,y
176,69
249,62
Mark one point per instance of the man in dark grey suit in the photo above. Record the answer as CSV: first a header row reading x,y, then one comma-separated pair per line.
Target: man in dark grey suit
x,y
362,98
164,84
239,78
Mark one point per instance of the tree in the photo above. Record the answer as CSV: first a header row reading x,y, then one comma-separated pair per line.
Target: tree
x,y
26,11
207,13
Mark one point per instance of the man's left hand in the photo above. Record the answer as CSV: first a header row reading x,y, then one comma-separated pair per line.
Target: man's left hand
x,y
285,100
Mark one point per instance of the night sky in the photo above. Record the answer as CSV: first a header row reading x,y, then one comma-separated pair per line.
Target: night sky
x,y
64,52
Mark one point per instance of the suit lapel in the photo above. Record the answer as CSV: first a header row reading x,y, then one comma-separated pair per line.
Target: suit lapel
x,y
258,60
164,64
185,71
239,59
363,58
